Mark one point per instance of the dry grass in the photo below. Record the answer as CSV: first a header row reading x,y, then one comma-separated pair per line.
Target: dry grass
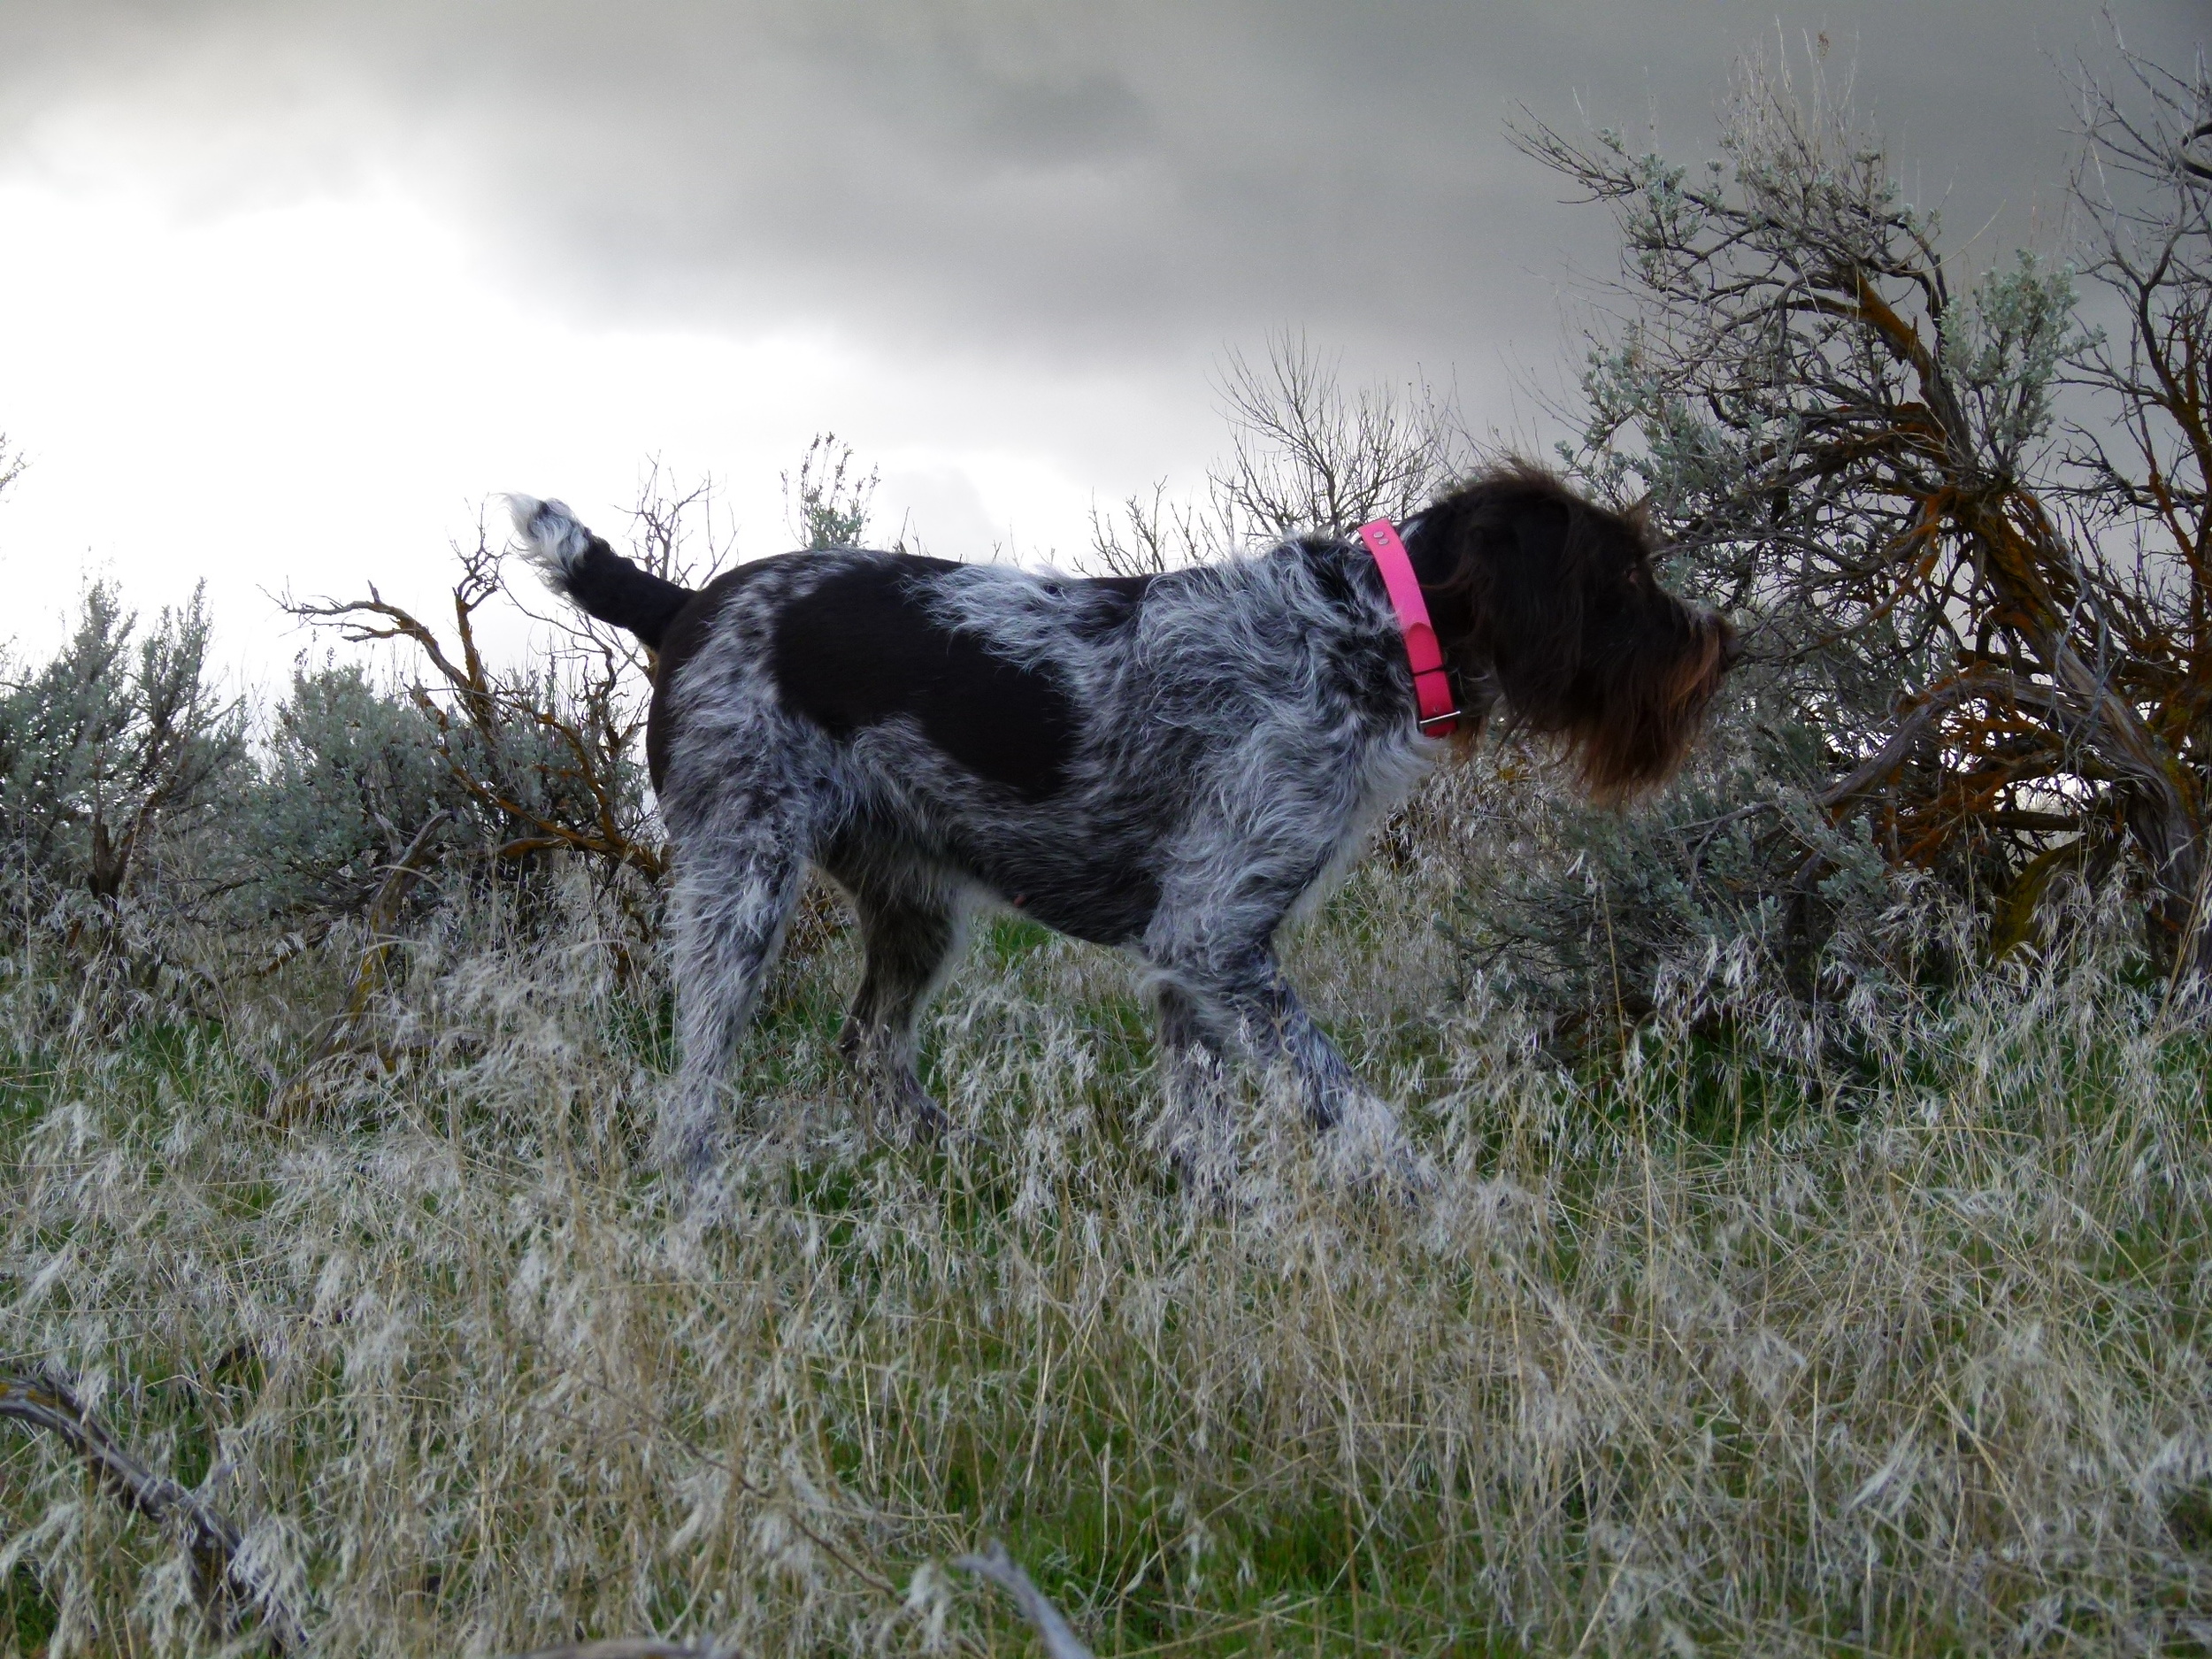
x,y
1897,1352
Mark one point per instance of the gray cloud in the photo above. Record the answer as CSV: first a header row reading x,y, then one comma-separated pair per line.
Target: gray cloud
x,y
1101,187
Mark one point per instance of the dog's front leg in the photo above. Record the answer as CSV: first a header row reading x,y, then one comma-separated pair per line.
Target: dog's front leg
x,y
1246,999
1273,1025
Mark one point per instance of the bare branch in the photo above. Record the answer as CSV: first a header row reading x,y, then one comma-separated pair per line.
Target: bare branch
x,y
219,1578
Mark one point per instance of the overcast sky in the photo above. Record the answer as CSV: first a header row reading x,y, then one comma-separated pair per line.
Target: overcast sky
x,y
286,287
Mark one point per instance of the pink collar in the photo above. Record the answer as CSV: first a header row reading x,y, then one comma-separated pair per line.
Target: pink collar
x,y
1432,686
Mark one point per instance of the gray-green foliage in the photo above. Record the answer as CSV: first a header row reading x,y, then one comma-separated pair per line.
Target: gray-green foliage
x,y
356,773
1802,394
1989,623
353,774
830,502
1735,887
1854,450
120,744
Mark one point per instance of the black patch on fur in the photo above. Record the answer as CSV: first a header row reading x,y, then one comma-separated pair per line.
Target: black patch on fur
x,y
861,647
614,590
1111,904
1112,601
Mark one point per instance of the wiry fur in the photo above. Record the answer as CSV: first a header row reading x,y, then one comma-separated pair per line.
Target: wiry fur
x,y
1549,601
1172,764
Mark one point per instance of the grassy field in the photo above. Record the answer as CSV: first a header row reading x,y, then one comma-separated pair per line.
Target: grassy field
x,y
1693,1348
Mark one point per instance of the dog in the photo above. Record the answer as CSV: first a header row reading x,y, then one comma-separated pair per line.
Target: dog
x,y
1166,764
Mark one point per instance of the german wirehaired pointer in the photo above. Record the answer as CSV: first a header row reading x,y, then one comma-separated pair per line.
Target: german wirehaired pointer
x,y
1168,764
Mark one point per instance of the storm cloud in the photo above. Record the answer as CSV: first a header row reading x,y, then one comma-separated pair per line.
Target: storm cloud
x,y
1052,184
1002,245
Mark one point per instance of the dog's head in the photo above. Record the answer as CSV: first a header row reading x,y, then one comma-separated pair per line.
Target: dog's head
x,y
1549,603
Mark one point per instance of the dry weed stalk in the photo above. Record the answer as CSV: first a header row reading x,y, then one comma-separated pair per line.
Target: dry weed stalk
x,y
1762,1347
625,1648
371,973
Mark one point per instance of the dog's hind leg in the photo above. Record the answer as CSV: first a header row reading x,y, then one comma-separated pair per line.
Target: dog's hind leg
x,y
911,929
736,883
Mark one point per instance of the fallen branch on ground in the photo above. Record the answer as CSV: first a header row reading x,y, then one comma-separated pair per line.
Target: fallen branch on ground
x,y
1004,1570
224,1589
220,1581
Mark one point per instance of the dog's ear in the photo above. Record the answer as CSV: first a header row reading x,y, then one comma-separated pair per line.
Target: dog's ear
x,y
1539,529
1534,601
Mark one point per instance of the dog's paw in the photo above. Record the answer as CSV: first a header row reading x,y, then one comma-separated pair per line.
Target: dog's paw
x,y
686,1143
1367,1150
920,1120
899,1112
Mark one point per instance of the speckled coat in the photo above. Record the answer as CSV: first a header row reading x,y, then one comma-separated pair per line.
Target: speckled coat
x,y
1168,765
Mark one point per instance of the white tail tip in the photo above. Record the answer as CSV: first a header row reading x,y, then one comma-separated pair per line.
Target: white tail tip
x,y
551,538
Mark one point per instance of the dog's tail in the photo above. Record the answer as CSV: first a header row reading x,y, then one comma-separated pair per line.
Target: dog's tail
x,y
600,581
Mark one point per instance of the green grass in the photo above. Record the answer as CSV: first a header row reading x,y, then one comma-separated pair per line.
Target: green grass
x,y
1693,1346
27,1615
